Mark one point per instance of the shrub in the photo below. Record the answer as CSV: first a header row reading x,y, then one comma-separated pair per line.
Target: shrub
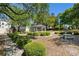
x,y
62,32
76,33
13,36
36,34
22,40
45,33
69,32
59,27
19,40
57,32
42,34
30,33
35,49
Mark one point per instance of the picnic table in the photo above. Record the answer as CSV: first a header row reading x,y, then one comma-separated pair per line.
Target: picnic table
x,y
67,37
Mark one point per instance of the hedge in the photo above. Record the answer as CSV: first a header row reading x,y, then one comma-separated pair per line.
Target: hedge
x,y
35,49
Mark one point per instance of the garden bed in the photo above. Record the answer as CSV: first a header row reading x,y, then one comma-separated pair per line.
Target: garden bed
x,y
39,33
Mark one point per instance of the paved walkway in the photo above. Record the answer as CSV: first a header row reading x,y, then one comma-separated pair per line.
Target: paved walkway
x,y
56,48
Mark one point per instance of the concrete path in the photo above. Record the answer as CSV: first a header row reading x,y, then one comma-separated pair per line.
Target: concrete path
x,y
54,49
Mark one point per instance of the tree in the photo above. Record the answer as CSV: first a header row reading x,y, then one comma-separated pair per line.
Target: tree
x,y
20,16
58,24
41,14
71,16
51,21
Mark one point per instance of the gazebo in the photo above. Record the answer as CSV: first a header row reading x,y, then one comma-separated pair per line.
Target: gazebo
x,y
38,27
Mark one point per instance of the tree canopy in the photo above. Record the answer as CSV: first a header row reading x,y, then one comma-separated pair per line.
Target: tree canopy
x,y
20,13
71,15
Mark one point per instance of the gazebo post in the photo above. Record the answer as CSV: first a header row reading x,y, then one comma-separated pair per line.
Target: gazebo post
x,y
35,29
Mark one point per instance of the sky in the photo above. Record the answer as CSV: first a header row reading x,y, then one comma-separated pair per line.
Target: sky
x,y
57,8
